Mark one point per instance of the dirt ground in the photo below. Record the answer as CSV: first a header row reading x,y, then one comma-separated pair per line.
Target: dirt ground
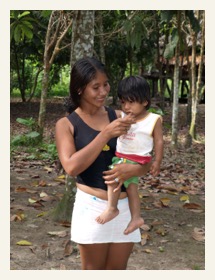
x,y
172,204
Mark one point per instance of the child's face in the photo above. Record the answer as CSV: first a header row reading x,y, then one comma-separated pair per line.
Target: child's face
x,y
134,108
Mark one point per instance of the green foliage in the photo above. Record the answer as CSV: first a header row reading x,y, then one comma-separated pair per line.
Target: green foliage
x,y
46,13
170,47
38,151
29,122
42,151
31,142
193,20
60,82
21,26
130,40
59,90
156,111
135,31
167,15
31,137
25,139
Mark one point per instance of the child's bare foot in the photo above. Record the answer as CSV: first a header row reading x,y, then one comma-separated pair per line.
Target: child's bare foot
x,y
134,224
107,215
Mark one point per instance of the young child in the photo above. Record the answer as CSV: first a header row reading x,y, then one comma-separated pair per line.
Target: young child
x,y
135,147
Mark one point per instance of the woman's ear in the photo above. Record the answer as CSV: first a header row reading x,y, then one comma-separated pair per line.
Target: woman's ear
x,y
79,91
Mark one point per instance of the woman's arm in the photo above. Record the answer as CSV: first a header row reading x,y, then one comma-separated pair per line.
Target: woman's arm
x,y
124,171
75,162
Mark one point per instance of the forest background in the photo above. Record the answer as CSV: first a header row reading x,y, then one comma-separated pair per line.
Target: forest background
x,y
148,43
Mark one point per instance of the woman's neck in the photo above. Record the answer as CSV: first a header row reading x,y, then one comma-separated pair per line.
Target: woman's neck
x,y
89,111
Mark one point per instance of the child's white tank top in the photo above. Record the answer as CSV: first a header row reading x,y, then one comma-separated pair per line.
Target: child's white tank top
x,y
139,138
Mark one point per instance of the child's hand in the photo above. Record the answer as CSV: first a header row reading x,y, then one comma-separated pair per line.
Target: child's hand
x,y
155,168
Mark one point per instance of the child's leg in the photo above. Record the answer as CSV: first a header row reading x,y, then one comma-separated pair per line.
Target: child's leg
x,y
134,205
111,211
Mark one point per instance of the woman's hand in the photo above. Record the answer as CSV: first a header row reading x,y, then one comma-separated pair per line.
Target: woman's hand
x,y
122,172
119,126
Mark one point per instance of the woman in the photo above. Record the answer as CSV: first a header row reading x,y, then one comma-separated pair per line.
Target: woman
x,y
86,142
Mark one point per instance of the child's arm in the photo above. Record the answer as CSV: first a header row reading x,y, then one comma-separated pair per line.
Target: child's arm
x,y
158,148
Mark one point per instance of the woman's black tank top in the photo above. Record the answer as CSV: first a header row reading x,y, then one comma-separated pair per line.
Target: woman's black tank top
x,y
83,135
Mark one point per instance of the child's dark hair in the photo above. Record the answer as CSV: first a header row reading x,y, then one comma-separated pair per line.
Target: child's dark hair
x,y
83,71
134,88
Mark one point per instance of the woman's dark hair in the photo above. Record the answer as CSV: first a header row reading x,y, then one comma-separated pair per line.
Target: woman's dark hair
x,y
134,88
83,72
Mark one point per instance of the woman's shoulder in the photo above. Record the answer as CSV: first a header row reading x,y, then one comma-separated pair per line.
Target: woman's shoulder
x,y
62,122
63,125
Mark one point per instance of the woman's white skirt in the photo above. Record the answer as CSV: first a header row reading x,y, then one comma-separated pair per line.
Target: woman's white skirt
x,y
85,229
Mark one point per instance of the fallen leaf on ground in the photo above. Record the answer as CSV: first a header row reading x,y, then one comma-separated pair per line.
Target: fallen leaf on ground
x,y
68,249
65,224
58,233
31,200
145,227
198,234
17,217
62,267
165,201
169,188
42,214
33,249
185,198
144,237
192,206
20,189
43,194
148,251
42,183
161,231
35,176
24,243
48,169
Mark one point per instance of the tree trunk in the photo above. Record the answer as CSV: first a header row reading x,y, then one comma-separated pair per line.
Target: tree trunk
x,y
196,86
188,140
160,66
200,69
42,112
19,74
194,96
82,35
174,140
34,84
101,38
45,80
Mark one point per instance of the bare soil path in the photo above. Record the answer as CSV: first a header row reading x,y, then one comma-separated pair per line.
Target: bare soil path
x,y
172,204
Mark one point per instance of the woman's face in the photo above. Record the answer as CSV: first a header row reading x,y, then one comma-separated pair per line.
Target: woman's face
x,y
96,91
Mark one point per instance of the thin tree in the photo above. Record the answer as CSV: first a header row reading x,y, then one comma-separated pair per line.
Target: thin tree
x,y
196,82
59,24
174,140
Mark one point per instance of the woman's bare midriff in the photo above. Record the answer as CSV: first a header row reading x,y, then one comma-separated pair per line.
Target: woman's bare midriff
x,y
102,194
